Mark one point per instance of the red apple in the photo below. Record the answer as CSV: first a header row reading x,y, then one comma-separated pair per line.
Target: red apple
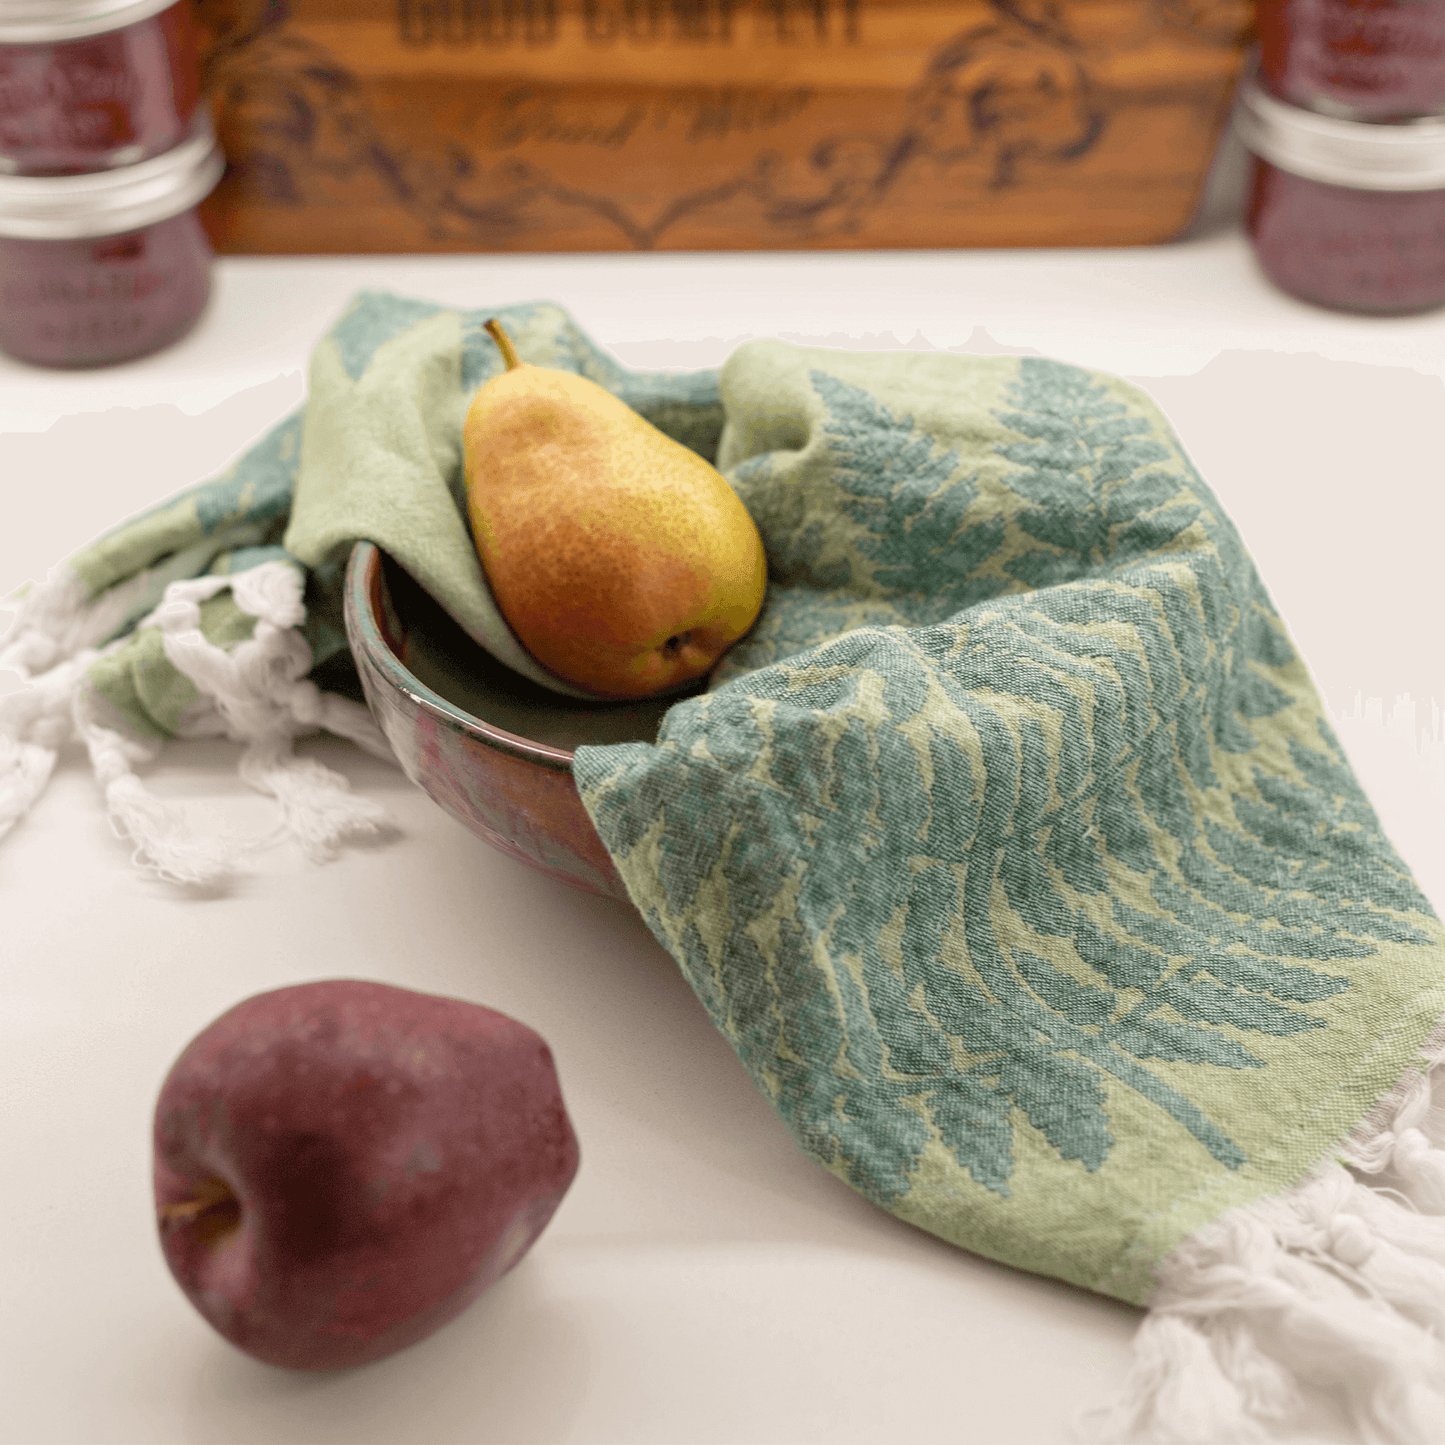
x,y
342,1167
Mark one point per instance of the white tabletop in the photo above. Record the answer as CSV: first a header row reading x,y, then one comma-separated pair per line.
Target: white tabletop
x,y
703,1280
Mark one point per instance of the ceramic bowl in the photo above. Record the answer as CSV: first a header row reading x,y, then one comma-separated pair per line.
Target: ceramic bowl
x,y
493,748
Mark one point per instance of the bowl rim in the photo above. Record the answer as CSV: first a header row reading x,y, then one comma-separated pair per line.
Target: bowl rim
x,y
363,570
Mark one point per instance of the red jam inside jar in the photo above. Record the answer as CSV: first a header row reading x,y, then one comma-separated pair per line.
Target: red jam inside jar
x,y
103,100
102,299
1354,250
1346,120
1366,59
108,265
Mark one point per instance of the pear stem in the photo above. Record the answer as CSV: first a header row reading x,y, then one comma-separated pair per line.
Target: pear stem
x,y
509,352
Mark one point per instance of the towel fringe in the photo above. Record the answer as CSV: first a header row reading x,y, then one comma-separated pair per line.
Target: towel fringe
x,y
49,625
256,692
164,842
35,723
1336,1285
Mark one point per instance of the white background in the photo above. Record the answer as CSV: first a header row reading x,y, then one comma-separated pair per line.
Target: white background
x,y
703,1280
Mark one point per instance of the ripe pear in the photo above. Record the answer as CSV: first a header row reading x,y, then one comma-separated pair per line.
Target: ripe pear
x,y
623,561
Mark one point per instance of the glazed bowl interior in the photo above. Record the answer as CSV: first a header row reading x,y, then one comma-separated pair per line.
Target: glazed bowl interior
x,y
446,662
491,747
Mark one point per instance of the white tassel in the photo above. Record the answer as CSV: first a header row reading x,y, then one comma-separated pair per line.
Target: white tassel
x,y
1336,1285
51,644
1421,1170
317,710
24,771
48,626
165,845
257,693
1179,1392
317,807
260,690
35,723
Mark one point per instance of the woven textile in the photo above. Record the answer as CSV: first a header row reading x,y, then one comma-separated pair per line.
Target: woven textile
x,y
1017,859
1012,850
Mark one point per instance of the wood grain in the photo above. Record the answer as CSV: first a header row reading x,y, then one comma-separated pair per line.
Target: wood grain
x,y
584,125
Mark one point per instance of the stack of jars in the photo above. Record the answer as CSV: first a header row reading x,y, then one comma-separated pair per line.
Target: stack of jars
x,y
1345,115
105,151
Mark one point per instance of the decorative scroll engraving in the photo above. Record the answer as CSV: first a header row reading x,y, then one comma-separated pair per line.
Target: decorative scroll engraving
x,y
992,109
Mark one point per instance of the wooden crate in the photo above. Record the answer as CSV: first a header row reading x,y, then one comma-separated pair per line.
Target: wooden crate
x,y
600,125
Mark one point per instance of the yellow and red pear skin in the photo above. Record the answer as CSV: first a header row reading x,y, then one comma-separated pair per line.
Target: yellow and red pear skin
x,y
622,560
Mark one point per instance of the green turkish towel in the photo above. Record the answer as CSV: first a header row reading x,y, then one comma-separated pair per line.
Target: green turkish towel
x,y
1012,851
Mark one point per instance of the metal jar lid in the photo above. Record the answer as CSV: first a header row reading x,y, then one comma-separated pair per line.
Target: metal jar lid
x,y
105,203
1361,155
43,22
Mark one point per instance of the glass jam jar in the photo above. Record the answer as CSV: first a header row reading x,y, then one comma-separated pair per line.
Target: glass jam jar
x,y
107,266
1346,213
90,84
1355,59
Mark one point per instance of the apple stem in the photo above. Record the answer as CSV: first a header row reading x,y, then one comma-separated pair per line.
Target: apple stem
x,y
208,1195
509,352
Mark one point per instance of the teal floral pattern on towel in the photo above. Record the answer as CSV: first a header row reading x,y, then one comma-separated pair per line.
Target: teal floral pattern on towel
x,y
1012,850
1014,853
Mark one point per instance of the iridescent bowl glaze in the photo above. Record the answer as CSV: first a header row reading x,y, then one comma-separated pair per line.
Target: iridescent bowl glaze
x,y
492,747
